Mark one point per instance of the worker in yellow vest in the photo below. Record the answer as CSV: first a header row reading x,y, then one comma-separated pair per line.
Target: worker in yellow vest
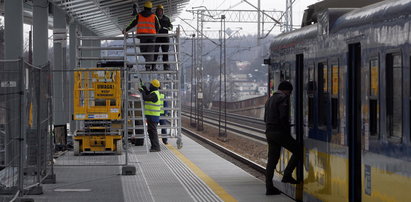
x,y
146,23
152,110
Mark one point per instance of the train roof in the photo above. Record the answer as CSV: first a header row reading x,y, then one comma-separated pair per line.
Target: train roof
x,y
378,12
293,38
311,13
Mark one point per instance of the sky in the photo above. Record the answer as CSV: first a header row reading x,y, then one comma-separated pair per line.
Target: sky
x,y
243,29
273,5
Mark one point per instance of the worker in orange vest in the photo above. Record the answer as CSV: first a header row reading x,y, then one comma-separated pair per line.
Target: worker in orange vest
x,y
146,23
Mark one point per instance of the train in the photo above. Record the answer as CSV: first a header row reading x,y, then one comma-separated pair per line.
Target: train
x,y
351,104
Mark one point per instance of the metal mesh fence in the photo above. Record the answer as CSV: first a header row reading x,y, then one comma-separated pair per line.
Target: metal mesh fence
x,y
26,157
11,100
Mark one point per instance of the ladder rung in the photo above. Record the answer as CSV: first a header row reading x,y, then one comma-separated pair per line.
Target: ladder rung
x,y
136,119
161,118
161,81
158,127
166,127
150,63
151,53
169,81
136,137
169,90
102,58
89,38
168,118
158,72
156,35
134,109
161,90
99,48
148,44
171,108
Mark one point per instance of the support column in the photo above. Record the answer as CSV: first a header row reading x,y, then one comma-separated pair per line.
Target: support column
x,y
13,32
72,65
40,32
60,100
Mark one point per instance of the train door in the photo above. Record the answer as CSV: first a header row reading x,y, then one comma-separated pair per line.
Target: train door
x,y
299,119
354,121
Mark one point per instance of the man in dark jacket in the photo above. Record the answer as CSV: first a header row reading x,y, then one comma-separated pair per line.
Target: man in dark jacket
x,y
277,120
146,23
165,27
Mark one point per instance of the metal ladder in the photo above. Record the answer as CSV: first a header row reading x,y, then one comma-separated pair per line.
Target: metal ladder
x,y
133,102
170,81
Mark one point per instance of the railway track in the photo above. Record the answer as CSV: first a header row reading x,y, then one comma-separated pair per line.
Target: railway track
x,y
226,151
241,125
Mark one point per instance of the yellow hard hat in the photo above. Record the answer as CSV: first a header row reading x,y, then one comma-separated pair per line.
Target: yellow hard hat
x,y
160,6
148,4
155,83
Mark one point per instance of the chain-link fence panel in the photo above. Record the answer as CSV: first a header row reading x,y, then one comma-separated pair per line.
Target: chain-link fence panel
x,y
39,159
11,126
26,149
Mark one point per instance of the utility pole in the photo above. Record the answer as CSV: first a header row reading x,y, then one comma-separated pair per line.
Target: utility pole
x,y
289,16
193,68
199,72
258,23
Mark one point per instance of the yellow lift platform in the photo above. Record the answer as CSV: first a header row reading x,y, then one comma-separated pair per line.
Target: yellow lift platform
x,y
97,102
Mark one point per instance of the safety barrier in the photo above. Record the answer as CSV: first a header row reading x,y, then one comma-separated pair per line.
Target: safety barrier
x,y
26,144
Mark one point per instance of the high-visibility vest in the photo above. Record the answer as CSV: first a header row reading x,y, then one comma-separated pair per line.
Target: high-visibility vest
x,y
162,103
146,25
153,108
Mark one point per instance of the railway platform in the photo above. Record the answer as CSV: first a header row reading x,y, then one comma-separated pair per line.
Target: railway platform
x,y
192,173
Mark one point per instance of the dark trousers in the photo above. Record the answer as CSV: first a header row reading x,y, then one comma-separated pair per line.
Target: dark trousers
x,y
147,48
275,141
163,131
152,134
164,49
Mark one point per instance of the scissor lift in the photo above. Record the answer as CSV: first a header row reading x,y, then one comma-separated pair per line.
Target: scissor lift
x,y
97,102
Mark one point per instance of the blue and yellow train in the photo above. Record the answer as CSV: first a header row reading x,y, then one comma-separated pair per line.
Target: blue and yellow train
x,y
352,102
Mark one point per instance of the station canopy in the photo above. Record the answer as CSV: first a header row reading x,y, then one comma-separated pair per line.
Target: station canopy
x,y
109,17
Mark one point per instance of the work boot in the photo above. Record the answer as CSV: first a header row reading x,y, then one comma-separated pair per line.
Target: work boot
x,y
272,191
289,179
155,150
165,141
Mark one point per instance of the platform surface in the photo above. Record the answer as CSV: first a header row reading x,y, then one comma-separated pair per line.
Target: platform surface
x,y
192,173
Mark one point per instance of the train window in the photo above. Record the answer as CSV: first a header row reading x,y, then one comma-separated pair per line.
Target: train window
x,y
311,88
325,79
334,98
394,95
322,95
373,98
334,78
286,72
